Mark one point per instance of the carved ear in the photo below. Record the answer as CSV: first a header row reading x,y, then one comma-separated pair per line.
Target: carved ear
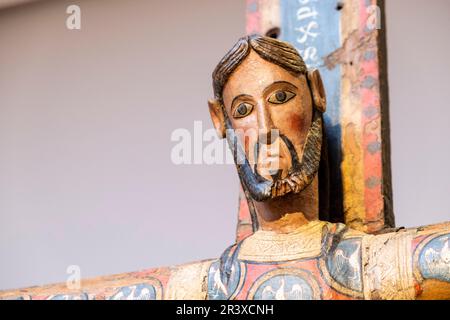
x,y
217,117
317,90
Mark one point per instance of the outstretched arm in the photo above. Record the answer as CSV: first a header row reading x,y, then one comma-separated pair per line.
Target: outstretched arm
x,y
179,282
408,264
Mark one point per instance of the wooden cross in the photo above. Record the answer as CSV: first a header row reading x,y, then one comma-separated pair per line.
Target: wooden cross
x,y
346,42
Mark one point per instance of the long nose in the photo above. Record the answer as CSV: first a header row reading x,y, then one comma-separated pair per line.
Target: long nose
x,y
265,125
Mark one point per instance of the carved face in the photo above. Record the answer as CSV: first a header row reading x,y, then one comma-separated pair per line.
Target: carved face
x,y
265,103
271,126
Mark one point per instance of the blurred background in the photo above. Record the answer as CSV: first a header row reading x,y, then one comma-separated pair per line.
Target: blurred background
x,y
86,118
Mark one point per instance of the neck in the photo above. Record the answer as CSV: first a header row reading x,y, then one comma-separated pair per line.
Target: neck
x,y
289,212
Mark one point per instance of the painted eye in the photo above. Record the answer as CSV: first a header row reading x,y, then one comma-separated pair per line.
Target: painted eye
x,y
281,96
242,110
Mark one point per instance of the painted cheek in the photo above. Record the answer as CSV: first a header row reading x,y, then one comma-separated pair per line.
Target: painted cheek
x,y
296,122
296,128
293,123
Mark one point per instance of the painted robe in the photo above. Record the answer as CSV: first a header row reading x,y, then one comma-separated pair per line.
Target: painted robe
x,y
319,260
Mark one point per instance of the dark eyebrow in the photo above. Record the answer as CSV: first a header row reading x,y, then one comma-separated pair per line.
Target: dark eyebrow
x,y
239,96
279,82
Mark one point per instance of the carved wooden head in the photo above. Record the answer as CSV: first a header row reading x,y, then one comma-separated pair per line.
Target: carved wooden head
x,y
269,107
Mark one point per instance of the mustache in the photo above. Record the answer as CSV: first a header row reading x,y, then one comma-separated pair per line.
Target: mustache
x,y
300,174
292,152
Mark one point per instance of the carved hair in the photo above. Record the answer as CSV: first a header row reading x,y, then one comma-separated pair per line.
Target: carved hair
x,y
272,50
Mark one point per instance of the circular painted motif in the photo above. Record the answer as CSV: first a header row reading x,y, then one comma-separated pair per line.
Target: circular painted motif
x,y
142,291
434,258
221,288
344,265
82,296
285,284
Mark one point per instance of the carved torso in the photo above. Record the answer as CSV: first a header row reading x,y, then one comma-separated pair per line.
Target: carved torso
x,y
328,261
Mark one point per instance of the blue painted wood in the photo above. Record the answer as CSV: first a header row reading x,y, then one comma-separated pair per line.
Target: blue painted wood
x,y
434,259
313,27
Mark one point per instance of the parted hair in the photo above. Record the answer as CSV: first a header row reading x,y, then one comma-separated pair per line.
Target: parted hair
x,y
270,49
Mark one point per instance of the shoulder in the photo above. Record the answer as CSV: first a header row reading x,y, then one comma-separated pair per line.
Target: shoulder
x,y
189,281
342,258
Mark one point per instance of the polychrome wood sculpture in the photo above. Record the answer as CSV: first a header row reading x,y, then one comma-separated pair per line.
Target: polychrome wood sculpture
x,y
270,108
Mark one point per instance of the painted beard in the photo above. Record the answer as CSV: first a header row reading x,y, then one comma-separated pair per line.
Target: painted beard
x,y
300,175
